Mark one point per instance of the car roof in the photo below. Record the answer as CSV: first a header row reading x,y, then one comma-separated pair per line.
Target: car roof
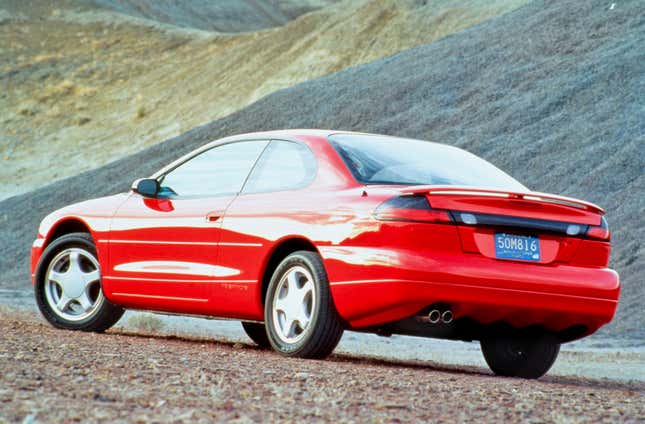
x,y
278,134
312,135
309,135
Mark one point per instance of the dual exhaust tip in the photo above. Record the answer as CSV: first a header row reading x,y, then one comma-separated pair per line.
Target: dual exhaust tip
x,y
436,316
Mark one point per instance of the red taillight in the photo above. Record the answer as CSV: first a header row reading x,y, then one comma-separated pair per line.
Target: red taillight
x,y
599,232
410,208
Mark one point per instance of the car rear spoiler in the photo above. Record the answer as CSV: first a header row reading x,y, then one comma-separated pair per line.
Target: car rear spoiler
x,y
436,190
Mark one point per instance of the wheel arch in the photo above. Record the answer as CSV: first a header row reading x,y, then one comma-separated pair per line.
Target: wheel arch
x,y
61,228
281,250
66,226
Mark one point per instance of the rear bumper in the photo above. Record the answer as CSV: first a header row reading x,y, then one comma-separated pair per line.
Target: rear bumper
x,y
483,289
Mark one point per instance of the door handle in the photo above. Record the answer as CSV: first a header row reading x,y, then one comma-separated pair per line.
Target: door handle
x,y
213,216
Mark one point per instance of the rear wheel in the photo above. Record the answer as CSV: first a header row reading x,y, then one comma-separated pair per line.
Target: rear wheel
x,y
257,333
528,355
68,286
299,312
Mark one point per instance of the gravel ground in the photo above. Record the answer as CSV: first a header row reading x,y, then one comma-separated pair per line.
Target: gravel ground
x,y
52,375
592,357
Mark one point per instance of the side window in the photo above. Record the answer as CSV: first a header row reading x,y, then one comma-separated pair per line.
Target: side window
x,y
219,171
284,165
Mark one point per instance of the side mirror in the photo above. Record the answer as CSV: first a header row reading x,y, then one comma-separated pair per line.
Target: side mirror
x,y
147,187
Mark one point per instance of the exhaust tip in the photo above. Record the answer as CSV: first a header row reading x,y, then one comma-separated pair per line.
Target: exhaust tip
x,y
446,317
434,316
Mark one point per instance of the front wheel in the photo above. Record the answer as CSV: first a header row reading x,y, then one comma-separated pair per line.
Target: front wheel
x,y
299,312
523,355
68,286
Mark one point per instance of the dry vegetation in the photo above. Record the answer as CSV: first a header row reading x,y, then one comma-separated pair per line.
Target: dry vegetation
x,y
80,88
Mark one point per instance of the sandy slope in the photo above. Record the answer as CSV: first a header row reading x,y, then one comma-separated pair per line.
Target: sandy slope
x,y
79,87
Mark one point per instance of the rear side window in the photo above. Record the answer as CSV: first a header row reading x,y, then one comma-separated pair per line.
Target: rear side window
x,y
284,165
216,172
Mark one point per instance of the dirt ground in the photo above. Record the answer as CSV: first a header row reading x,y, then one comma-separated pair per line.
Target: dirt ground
x,y
51,375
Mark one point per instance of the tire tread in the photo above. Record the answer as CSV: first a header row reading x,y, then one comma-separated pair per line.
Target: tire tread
x,y
541,354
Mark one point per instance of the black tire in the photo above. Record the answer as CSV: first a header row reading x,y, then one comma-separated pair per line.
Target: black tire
x,y
257,332
324,328
528,355
102,314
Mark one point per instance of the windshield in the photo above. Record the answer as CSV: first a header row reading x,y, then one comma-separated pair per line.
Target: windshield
x,y
375,159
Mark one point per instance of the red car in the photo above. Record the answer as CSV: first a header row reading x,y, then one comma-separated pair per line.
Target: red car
x,y
303,234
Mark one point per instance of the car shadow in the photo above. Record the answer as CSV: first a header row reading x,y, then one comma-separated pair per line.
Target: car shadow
x,y
582,382
461,370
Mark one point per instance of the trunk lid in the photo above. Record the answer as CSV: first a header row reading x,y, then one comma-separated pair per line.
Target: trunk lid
x,y
502,224
533,205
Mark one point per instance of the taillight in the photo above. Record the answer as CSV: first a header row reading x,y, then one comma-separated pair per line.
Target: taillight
x,y
411,209
599,232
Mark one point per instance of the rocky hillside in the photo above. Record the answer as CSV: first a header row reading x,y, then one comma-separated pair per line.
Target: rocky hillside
x,y
220,15
81,86
552,93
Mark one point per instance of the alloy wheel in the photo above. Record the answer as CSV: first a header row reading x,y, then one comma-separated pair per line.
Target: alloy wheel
x,y
72,284
294,304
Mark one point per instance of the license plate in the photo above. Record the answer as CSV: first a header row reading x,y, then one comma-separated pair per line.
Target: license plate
x,y
512,246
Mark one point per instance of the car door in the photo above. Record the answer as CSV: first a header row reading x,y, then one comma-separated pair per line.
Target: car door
x,y
163,251
270,206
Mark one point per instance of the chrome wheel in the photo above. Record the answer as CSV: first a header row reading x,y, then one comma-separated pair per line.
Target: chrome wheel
x,y
299,314
73,284
294,304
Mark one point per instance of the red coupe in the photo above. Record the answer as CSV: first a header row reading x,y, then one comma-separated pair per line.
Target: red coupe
x,y
303,234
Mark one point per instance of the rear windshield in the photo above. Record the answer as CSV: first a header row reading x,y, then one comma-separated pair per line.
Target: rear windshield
x,y
374,159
